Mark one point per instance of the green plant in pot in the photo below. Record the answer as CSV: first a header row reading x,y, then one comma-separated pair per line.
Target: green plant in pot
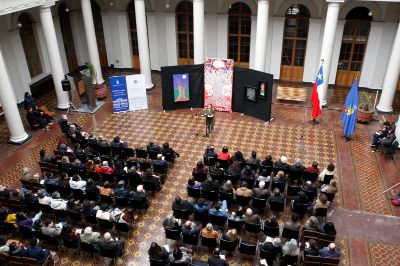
x,y
365,109
101,89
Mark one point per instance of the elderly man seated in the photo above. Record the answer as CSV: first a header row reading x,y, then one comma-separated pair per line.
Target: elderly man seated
x,y
88,236
114,247
330,251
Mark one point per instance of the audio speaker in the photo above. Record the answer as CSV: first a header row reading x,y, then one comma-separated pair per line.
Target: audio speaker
x,y
66,86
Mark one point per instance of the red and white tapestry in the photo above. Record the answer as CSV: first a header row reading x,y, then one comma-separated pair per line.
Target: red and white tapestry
x,y
218,78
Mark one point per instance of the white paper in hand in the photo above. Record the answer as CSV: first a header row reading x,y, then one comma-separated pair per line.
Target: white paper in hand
x,y
263,262
166,247
222,256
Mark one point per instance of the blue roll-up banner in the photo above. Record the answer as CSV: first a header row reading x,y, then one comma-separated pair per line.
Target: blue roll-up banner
x,y
119,94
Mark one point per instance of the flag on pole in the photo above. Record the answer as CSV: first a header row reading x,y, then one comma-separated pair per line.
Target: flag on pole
x,y
349,113
317,93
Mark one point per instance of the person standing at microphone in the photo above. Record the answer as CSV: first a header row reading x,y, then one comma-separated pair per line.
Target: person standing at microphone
x,y
210,121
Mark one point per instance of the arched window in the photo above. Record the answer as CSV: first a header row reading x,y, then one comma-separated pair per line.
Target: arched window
x,y
30,46
133,31
98,27
184,29
294,43
239,25
354,43
68,37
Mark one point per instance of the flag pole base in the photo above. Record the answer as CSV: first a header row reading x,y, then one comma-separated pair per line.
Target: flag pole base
x,y
345,138
313,122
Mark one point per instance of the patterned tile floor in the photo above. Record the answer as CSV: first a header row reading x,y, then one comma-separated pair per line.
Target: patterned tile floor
x,y
360,173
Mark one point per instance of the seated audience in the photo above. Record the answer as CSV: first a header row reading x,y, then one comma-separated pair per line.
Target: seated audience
x,y
48,179
261,192
167,149
231,235
121,191
126,217
105,168
381,134
210,153
113,246
279,178
281,163
329,170
118,143
224,154
296,169
237,215
27,176
180,256
89,208
200,168
238,158
34,119
157,252
328,228
37,252
182,205
57,203
171,223
106,189
202,205
43,198
216,260
209,231
291,248
271,222
277,196
253,159
234,170
190,228
17,250
150,177
88,236
301,198
193,183
44,158
293,223
311,248
219,210
248,173
244,191
217,169
251,218
310,190
73,206
330,252
210,185
24,220
228,187
139,199
312,224
91,187
76,182
263,176
160,161
321,202
268,161
331,188
51,229
313,168
273,249
104,213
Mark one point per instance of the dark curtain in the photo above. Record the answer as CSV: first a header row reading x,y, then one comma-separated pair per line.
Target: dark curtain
x,y
242,77
196,86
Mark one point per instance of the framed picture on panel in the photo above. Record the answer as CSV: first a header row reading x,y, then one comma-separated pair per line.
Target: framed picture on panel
x,y
262,89
250,93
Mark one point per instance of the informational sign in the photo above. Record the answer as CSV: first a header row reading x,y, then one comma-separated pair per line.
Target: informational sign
x,y
136,92
119,94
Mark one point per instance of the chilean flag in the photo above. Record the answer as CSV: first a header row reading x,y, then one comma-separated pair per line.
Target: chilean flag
x,y
316,94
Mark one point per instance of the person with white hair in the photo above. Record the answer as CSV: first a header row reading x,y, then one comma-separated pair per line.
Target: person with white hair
x,y
291,248
282,163
261,192
160,161
88,236
310,190
139,199
250,217
209,231
296,170
27,176
330,251
105,168
273,248
110,245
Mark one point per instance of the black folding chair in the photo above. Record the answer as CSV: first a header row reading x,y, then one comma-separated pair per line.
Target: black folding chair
x,y
243,201
246,248
105,224
156,262
199,176
123,227
271,231
252,228
238,225
300,209
191,240
201,217
327,179
321,212
182,214
106,199
217,220
210,195
290,233
259,204
173,234
121,202
223,195
280,185
78,194
312,260
276,206
208,242
227,245
150,186
307,176
193,192
88,248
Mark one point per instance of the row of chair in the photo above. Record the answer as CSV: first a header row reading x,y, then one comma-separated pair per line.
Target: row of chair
x,y
7,260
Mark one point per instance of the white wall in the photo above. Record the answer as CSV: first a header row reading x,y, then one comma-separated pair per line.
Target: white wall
x,y
171,47
277,39
41,44
79,34
211,35
222,35
154,40
336,50
313,43
268,52
252,41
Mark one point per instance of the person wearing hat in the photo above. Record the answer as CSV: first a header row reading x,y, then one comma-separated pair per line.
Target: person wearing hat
x,y
121,191
272,248
36,252
89,236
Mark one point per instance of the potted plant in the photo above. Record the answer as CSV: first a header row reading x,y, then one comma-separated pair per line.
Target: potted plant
x,y
365,109
101,89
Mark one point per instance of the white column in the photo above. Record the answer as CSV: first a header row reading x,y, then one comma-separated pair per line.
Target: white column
x,y
261,37
91,39
9,104
143,43
391,77
54,55
397,132
327,44
198,31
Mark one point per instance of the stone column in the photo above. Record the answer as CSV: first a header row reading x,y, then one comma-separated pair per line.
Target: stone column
x,y
397,132
198,31
9,105
261,37
391,77
327,43
91,39
143,43
57,71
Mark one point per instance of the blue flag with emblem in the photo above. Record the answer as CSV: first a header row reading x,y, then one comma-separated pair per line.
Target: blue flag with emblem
x,y
349,112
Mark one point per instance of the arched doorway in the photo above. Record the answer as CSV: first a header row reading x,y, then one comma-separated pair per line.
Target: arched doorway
x,y
239,31
68,37
30,45
294,43
133,31
98,27
184,30
354,43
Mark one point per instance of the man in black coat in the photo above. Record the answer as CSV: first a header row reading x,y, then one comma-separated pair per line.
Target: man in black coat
x,y
273,249
139,198
215,259
182,205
